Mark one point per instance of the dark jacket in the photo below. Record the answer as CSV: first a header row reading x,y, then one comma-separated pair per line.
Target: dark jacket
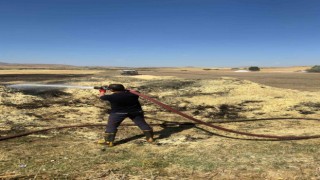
x,y
123,102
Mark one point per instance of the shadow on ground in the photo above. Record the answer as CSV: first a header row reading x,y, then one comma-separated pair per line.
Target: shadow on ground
x,y
166,132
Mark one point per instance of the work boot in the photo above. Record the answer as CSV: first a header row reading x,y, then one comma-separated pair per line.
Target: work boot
x,y
149,136
108,139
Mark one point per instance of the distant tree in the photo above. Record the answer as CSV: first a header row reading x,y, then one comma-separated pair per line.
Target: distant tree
x,y
254,68
315,68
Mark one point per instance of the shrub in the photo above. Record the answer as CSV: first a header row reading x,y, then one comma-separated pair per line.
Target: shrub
x,y
254,68
314,69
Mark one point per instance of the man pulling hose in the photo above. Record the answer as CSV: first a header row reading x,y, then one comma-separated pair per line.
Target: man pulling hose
x,y
123,104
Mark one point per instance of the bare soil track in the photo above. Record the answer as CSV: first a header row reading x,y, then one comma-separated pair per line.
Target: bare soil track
x,y
287,80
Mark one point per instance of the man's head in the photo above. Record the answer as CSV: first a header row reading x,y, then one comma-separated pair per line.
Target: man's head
x,y
116,87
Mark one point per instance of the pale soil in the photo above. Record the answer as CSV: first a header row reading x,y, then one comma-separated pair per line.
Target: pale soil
x,y
184,152
286,78
262,69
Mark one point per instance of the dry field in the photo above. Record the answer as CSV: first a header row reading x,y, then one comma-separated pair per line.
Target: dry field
x,y
219,96
288,78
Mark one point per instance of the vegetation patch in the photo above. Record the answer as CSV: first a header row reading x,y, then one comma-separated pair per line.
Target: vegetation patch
x,y
314,69
254,68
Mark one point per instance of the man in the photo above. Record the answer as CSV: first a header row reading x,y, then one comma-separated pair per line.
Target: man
x,y
123,104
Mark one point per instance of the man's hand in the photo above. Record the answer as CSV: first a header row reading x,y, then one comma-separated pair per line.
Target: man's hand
x,y
102,91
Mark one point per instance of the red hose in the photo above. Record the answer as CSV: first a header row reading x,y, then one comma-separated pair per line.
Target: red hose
x,y
173,123
219,127
87,125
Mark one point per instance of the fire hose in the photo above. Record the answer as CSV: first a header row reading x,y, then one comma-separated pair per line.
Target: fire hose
x,y
219,127
177,112
81,126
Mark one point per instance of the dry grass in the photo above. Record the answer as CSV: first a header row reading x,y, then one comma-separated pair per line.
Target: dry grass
x,y
180,152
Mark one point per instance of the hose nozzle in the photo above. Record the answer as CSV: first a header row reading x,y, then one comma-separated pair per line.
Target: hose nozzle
x,y
101,87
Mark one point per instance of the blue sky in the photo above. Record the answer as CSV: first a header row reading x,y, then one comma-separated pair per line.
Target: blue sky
x,y
144,33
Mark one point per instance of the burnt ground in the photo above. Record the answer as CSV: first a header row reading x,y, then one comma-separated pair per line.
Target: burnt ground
x,y
184,152
298,81
6,78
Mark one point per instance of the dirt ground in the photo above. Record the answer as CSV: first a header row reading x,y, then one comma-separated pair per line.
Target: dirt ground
x,y
287,78
218,96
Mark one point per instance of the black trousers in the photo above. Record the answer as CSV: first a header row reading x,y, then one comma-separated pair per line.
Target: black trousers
x,y
115,119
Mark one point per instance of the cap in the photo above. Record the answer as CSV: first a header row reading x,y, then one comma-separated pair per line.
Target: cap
x,y
116,87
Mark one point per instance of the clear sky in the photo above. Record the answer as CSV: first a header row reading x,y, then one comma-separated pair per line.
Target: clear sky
x,y
144,33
